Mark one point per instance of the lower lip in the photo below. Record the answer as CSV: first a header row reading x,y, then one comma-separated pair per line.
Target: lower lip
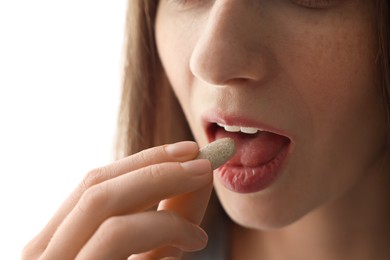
x,y
244,179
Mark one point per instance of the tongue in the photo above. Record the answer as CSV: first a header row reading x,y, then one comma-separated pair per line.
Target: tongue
x,y
254,150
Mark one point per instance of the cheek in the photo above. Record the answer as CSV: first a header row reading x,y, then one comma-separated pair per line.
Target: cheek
x,y
343,134
174,48
342,80
343,97
173,60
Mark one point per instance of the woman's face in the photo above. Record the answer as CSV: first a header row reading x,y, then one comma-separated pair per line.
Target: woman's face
x,y
301,74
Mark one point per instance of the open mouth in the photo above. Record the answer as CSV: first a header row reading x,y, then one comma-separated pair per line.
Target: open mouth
x,y
258,159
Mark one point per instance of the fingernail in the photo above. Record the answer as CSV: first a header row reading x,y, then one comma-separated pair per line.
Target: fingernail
x,y
181,149
197,167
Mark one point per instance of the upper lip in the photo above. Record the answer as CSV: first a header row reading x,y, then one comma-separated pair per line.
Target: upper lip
x,y
210,119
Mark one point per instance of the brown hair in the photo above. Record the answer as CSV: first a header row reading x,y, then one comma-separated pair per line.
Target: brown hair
x,y
149,111
383,30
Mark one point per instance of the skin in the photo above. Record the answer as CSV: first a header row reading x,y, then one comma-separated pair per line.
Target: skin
x,y
309,71
105,217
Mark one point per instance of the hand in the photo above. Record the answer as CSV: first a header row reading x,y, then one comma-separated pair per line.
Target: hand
x,y
109,214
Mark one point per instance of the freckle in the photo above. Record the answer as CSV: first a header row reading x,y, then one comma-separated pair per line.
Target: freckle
x,y
218,152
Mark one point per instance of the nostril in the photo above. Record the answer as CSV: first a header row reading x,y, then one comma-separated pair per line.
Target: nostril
x,y
223,68
207,69
217,61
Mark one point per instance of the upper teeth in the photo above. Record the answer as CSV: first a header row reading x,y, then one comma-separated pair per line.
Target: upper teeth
x,y
233,128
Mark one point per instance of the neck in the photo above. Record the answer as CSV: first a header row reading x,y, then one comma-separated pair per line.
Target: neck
x,y
355,226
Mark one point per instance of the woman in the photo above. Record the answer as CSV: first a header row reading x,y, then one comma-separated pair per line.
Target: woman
x,y
302,86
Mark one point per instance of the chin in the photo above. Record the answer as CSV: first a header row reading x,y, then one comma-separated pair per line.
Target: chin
x,y
261,221
250,211
265,221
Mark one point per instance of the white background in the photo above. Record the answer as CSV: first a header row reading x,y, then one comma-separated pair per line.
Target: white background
x,y
60,75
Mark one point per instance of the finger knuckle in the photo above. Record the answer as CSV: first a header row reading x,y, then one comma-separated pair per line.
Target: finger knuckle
x,y
96,176
109,232
145,157
141,158
160,171
156,171
94,198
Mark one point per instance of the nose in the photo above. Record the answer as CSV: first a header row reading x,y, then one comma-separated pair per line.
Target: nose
x,y
231,47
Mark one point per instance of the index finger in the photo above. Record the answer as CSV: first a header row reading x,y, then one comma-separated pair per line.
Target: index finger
x,y
177,152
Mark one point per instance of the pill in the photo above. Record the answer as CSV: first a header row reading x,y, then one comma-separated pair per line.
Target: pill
x,y
218,152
